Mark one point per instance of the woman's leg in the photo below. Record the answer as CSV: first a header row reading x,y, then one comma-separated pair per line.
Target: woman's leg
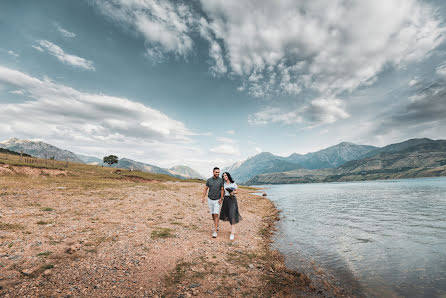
x,y
232,232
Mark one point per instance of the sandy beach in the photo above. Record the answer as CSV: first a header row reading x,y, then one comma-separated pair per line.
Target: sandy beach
x,y
65,233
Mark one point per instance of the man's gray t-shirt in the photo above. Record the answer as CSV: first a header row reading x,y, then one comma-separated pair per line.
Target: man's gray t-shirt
x,y
215,185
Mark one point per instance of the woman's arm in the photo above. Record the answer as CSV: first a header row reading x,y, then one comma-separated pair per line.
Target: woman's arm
x,y
235,190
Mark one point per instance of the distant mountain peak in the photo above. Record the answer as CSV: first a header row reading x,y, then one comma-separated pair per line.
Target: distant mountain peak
x,y
267,162
346,144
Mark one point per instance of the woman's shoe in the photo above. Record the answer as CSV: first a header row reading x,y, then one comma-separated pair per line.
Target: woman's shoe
x,y
214,235
231,237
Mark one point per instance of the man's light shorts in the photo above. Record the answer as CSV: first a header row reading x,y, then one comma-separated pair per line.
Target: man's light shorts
x,y
214,206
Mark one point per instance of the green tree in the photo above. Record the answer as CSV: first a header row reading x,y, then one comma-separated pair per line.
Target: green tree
x,y
111,159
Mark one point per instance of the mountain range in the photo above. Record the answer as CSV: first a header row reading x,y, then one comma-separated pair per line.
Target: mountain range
x,y
341,162
410,159
44,150
266,162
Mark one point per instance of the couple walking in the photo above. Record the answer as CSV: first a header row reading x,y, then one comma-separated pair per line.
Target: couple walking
x,y
222,194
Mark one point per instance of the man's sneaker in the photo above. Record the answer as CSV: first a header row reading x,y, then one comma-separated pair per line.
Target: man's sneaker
x,y
231,237
214,235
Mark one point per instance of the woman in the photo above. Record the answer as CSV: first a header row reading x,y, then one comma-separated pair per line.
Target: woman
x,y
229,209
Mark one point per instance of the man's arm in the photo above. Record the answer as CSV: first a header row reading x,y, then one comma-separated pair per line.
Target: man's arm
x,y
222,195
204,193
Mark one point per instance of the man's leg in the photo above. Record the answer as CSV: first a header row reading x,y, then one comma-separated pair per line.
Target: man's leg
x,y
216,219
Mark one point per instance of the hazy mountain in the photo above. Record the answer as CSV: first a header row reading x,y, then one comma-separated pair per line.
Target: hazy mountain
x,y
44,150
266,162
333,156
186,172
234,166
422,159
125,163
397,147
39,149
91,160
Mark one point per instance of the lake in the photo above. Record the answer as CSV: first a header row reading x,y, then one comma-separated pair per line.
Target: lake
x,y
376,238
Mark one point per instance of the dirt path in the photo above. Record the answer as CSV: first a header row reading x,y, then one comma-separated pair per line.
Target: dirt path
x,y
139,240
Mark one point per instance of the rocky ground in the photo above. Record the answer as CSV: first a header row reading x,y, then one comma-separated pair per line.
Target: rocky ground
x,y
133,239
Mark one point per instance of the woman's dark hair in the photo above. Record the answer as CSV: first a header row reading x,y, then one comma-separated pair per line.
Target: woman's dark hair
x,y
229,177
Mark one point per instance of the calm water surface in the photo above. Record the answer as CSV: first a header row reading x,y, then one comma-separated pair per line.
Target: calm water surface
x,y
381,238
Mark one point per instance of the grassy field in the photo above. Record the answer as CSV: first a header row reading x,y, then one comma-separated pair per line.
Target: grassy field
x,y
81,175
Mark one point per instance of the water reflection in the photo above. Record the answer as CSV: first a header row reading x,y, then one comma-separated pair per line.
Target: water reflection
x,y
384,238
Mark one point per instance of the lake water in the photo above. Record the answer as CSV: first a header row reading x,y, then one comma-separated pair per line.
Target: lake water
x,y
377,238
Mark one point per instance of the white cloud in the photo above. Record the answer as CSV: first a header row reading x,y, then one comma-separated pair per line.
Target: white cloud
x,y
65,32
441,70
328,110
38,48
275,115
215,50
17,92
329,47
318,111
59,53
413,82
12,53
88,120
164,25
230,132
226,149
283,47
226,140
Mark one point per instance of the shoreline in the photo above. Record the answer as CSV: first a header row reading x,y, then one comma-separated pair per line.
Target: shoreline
x,y
145,238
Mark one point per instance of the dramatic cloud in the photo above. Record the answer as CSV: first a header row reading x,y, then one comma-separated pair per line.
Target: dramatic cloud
x,y
326,46
57,52
65,32
424,110
318,111
58,110
164,25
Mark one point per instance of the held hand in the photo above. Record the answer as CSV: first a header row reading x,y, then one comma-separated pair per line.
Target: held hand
x,y
220,201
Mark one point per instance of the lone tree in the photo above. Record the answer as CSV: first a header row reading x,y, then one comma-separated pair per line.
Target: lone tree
x,y
111,159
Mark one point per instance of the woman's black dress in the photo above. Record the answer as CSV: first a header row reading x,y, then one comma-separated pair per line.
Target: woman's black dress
x,y
229,210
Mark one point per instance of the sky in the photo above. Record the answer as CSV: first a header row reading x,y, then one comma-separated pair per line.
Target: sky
x,y
211,82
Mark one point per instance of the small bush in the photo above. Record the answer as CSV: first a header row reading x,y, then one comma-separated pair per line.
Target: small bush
x,y
49,266
162,233
44,254
42,222
10,226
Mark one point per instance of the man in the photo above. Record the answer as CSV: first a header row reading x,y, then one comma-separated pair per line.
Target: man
x,y
215,197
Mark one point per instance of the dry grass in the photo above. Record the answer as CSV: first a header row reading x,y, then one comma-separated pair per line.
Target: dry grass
x,y
10,226
81,175
162,233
